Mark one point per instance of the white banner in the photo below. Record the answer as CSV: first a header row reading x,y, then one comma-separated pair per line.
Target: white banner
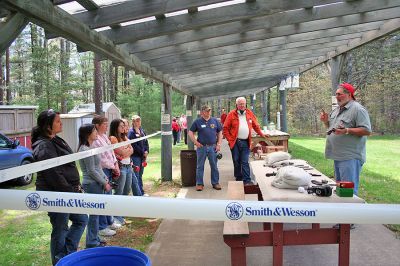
x,y
166,133
200,209
14,172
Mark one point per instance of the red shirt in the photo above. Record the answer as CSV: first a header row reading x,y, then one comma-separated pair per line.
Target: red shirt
x,y
223,118
231,126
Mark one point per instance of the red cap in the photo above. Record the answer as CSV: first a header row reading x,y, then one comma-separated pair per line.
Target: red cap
x,y
349,88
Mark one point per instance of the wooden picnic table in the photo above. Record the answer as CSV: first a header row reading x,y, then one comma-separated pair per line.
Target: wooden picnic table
x,y
279,138
274,234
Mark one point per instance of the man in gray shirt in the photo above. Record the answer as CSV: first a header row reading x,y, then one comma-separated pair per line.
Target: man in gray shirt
x,y
349,125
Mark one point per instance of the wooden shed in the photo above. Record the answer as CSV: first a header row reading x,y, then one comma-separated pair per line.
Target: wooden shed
x,y
71,124
16,121
82,114
110,110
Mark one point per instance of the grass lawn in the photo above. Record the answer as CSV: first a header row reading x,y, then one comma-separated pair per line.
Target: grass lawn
x,y
25,235
380,176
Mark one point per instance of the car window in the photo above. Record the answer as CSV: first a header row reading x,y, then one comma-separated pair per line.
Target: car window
x,y
3,142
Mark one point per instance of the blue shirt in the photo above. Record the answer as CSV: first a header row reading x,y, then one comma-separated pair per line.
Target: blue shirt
x,y
207,131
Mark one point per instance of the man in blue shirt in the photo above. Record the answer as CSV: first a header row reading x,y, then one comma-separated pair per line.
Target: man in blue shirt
x,y
208,143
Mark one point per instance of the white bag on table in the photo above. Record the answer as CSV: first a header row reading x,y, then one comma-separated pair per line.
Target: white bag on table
x,y
291,177
274,157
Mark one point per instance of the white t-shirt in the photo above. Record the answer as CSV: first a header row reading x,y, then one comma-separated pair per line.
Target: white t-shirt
x,y
243,126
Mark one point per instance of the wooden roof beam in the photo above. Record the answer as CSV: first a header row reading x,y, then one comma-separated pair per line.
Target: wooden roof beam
x,y
280,24
210,48
55,19
205,18
10,29
386,28
255,53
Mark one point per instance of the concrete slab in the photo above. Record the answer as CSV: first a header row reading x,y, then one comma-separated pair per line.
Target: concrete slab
x,y
200,243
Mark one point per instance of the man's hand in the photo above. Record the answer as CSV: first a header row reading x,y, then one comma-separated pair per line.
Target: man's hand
x,y
324,117
198,144
218,147
340,131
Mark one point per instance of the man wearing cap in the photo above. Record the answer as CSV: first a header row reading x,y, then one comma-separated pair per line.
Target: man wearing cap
x,y
237,131
208,143
349,125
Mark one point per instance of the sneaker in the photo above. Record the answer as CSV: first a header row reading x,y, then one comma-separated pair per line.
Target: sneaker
x,y
217,186
100,245
114,226
199,187
146,195
107,232
116,221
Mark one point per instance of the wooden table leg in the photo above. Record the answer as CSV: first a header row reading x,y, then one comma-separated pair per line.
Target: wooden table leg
x,y
315,226
344,245
238,256
277,238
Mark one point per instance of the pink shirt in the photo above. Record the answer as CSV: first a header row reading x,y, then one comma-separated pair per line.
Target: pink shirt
x,y
108,157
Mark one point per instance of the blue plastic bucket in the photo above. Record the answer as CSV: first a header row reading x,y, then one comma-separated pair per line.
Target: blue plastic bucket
x,y
104,256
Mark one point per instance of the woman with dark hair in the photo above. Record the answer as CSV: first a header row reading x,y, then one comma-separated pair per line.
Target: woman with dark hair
x,y
94,181
117,134
64,178
110,167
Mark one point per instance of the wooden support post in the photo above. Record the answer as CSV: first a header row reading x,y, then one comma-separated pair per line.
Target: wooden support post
x,y
98,103
264,105
344,245
283,111
253,98
198,106
238,256
166,133
190,110
277,236
336,67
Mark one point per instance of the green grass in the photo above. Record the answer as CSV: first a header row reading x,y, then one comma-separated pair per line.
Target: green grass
x,y
380,176
152,171
25,235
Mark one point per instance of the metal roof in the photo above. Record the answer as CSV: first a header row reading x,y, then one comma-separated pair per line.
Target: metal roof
x,y
210,48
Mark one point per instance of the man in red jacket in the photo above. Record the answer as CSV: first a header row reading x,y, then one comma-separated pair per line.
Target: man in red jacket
x,y
237,130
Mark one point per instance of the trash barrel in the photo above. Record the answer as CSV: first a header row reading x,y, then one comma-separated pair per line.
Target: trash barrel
x,y
103,256
188,167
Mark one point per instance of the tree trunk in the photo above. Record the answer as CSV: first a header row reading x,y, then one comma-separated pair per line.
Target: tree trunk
x,y
1,82
111,82
35,60
8,76
97,85
65,51
115,82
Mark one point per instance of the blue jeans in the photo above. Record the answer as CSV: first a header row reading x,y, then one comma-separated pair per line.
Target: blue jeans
x,y
135,185
240,157
124,184
104,220
138,161
203,153
92,230
65,240
348,170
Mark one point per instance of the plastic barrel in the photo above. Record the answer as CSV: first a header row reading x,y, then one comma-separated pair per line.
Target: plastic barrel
x,y
105,256
188,167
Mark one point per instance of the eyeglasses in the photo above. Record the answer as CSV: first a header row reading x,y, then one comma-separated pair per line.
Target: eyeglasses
x,y
339,94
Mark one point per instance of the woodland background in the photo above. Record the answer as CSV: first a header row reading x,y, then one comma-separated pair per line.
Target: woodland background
x,y
52,74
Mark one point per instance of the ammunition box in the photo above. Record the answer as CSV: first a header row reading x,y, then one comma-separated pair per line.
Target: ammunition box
x,y
344,192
